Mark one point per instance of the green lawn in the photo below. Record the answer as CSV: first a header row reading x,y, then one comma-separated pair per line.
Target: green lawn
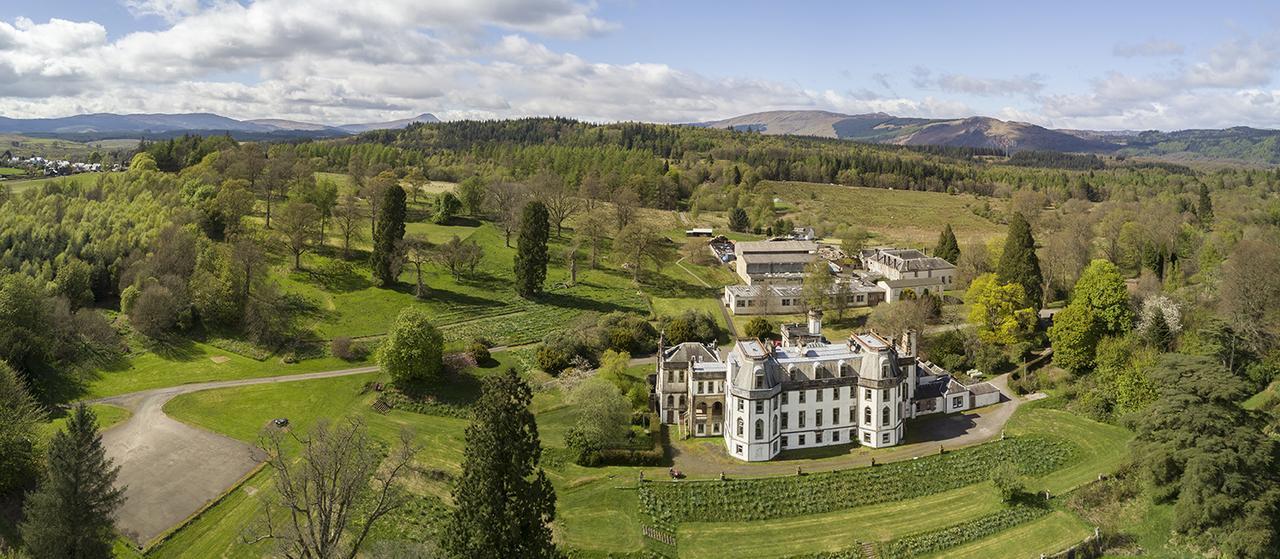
x,y
108,417
837,530
10,171
1102,448
1055,532
191,362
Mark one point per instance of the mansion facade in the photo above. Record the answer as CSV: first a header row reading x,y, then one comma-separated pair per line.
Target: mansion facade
x,y
763,398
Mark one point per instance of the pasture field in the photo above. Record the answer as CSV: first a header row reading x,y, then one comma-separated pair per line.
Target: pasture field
x,y
893,217
16,186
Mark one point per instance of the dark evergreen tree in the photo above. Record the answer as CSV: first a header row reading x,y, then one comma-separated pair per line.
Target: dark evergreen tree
x,y
387,233
71,515
1204,211
1019,264
504,503
20,420
948,248
531,250
738,220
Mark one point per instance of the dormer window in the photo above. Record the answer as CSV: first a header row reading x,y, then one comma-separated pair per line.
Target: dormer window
x,y
884,370
759,381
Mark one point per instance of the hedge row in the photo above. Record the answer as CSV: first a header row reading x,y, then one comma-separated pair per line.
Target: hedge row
x,y
669,503
957,534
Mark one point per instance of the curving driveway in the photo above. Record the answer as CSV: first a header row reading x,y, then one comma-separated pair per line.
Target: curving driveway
x,y
170,469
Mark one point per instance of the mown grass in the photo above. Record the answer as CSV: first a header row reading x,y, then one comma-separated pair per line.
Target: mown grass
x,y
1101,448
836,530
108,416
1055,532
189,362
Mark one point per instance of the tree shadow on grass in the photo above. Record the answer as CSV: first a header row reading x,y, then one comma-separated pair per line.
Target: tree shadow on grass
x,y
453,389
341,277
670,287
436,294
570,301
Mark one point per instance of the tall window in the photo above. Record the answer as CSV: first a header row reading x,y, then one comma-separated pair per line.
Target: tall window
x,y
759,381
884,416
817,418
740,424
835,393
818,394
784,398
884,370
801,419
802,396
759,406
784,420
866,415
759,429
671,401
835,416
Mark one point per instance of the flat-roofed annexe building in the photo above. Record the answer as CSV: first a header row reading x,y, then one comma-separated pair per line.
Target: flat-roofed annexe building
x,y
806,391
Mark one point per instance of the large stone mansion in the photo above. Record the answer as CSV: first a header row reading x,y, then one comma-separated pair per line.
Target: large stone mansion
x,y
764,398
773,275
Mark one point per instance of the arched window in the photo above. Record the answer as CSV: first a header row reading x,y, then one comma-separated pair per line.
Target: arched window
x,y
671,401
821,372
717,409
740,426
702,408
682,400
866,415
884,416
759,381
759,429
884,370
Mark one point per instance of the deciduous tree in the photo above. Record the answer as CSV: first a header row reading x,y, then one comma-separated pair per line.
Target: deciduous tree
x,y
20,420
299,225
413,350
347,216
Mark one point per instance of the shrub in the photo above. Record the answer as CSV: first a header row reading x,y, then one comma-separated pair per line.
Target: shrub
x,y
343,348
689,326
479,351
758,328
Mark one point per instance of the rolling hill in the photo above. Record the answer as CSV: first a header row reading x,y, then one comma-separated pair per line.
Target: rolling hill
x,y
109,125
888,129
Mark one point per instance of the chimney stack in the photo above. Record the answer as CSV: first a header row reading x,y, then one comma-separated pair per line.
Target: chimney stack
x,y
815,322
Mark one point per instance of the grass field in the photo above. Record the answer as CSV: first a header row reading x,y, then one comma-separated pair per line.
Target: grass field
x,y
189,362
16,186
108,417
1055,532
1257,401
894,217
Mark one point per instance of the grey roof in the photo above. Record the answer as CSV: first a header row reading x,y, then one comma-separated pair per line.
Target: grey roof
x,y
906,259
777,246
688,352
932,387
775,257
983,388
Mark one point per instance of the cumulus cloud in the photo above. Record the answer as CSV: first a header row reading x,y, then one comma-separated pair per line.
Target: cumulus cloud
x,y
1150,47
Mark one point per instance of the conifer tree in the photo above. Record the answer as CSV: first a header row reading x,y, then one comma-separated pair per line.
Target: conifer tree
x,y
388,231
531,250
20,417
1204,211
738,219
71,515
504,501
1019,264
948,248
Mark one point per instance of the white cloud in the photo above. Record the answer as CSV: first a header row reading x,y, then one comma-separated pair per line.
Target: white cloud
x,y
169,10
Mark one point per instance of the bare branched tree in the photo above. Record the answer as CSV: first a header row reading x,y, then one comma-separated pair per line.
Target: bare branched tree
x,y
333,493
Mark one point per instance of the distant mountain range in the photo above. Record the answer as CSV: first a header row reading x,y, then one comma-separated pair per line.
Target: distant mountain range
x,y
1240,144
1244,144
102,125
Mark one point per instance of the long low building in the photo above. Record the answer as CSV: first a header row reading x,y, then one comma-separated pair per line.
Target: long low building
x,y
805,391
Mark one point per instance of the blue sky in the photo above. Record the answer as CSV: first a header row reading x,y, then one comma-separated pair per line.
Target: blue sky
x,y
1105,65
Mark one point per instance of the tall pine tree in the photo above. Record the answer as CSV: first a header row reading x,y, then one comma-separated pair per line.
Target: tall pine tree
x,y
531,250
71,515
1204,211
388,231
504,501
948,248
1019,264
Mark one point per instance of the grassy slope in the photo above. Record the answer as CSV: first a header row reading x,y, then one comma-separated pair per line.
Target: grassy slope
x,y
892,216
1050,534
21,185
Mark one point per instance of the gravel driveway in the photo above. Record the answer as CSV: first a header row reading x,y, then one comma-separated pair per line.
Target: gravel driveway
x,y
171,469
